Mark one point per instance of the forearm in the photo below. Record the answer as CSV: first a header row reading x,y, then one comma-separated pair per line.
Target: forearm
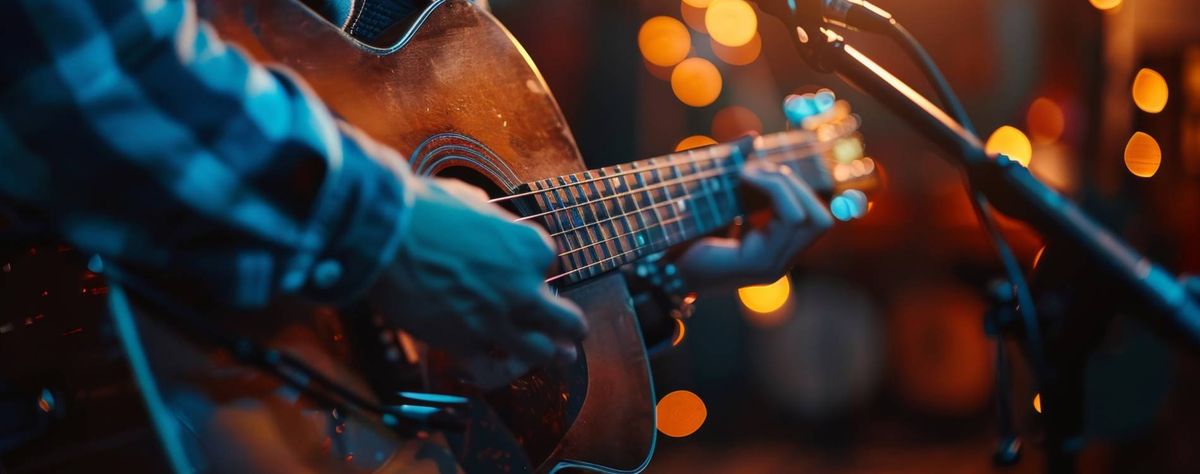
x,y
140,136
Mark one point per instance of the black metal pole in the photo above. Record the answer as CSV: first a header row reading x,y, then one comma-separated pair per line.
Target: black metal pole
x,y
1014,191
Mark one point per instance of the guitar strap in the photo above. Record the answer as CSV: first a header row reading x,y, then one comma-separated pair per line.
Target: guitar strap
x,y
370,18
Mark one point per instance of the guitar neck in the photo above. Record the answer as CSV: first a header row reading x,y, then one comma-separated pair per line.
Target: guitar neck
x,y
607,217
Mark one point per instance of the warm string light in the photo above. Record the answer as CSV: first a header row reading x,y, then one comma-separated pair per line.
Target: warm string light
x,y
735,121
664,41
680,413
1010,141
1105,5
694,141
1045,120
1142,155
764,300
696,82
739,55
1150,91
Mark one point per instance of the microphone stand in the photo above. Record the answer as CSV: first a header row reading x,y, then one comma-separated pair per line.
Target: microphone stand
x,y
1015,192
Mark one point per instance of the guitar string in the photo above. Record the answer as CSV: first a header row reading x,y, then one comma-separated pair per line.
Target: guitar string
x,y
845,127
660,223
638,210
679,180
726,172
666,240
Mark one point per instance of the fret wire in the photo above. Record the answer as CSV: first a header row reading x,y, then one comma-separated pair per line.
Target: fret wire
x,y
639,238
586,215
608,212
722,172
666,192
599,212
654,186
814,143
688,202
576,219
662,224
570,237
709,174
664,203
649,199
712,202
591,266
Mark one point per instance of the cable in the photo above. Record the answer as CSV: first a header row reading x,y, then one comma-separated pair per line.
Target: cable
x,y
1012,267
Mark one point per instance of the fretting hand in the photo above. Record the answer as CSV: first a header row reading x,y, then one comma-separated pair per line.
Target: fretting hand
x,y
765,253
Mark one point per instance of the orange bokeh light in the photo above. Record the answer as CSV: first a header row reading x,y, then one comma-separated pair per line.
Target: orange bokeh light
x,y
680,413
1150,91
693,16
766,299
731,22
1037,402
739,55
1011,142
694,141
664,41
735,121
696,82
1106,4
1045,120
1142,155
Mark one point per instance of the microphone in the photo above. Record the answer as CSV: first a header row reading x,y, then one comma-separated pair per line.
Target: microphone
x,y
855,14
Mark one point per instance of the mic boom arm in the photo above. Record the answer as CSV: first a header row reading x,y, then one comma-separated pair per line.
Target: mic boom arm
x,y
1012,189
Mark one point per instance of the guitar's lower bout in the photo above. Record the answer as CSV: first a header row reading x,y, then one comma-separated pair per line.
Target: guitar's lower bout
x,y
595,413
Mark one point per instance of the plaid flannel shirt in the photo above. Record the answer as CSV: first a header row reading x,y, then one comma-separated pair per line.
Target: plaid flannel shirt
x,y
130,130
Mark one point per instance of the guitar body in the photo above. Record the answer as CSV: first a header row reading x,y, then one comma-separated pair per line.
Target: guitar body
x,y
457,95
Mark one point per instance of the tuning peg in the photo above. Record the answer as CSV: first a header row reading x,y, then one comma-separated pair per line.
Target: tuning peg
x,y
849,205
800,107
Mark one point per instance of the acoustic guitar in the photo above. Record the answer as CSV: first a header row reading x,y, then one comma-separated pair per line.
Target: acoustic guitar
x,y
303,388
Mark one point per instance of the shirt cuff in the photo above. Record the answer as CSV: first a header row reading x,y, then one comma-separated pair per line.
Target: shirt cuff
x,y
364,213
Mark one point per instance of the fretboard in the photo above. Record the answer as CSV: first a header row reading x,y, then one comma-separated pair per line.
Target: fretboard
x,y
604,218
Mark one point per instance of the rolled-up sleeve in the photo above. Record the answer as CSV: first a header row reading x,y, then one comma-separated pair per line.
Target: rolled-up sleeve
x,y
133,132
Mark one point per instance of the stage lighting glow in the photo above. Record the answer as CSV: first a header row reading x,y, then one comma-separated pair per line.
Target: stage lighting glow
x,y
694,141
1142,155
735,121
696,82
731,22
766,299
1045,120
680,413
1011,142
664,41
1150,91
739,55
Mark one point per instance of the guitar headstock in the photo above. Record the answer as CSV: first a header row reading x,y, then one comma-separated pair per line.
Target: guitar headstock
x,y
824,146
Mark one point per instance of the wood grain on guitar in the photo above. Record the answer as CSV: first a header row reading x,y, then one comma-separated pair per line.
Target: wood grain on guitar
x,y
453,91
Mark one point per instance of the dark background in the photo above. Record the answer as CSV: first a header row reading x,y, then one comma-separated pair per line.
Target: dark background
x,y
879,361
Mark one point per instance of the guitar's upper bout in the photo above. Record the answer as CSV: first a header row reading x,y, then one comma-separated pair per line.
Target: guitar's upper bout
x,y
452,68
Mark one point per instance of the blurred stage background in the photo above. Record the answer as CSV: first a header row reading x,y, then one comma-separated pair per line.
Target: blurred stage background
x,y
874,358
